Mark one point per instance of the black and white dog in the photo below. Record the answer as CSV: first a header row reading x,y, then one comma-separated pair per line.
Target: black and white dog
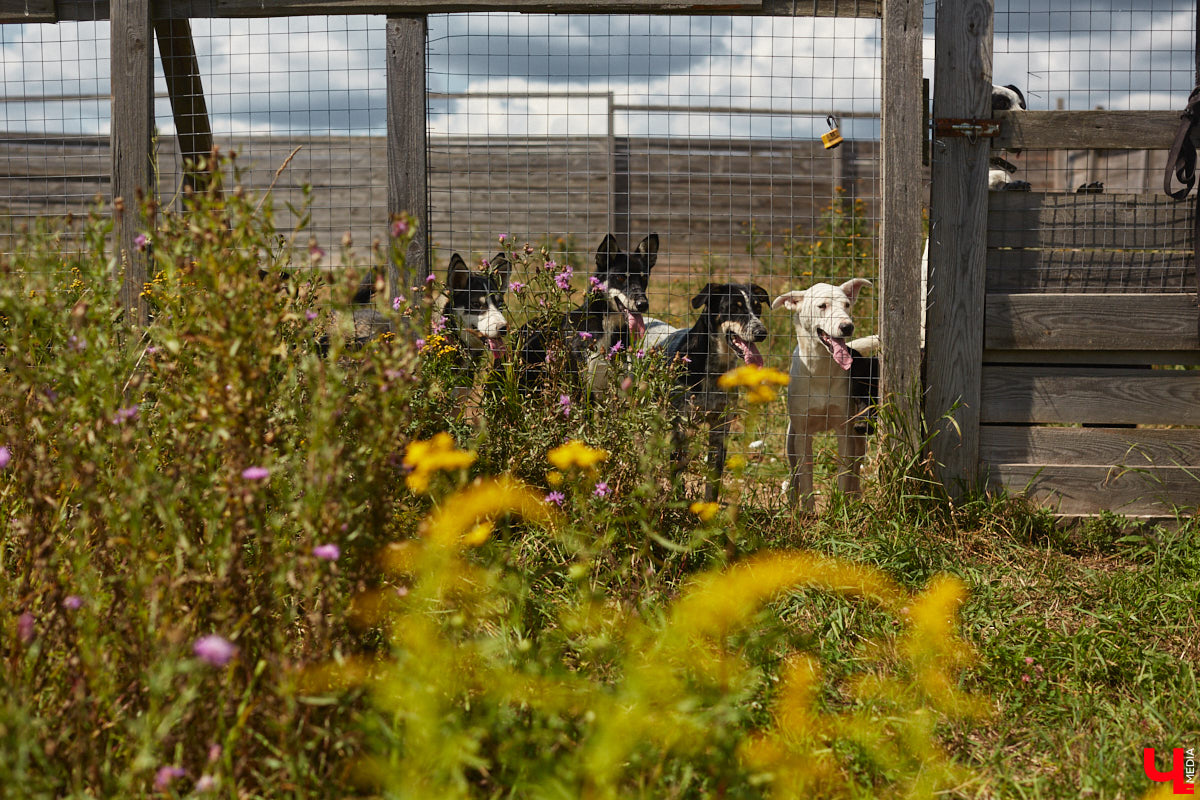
x,y
1000,170
472,310
723,337
605,324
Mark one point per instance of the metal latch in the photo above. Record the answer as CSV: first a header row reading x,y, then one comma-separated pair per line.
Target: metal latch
x,y
967,128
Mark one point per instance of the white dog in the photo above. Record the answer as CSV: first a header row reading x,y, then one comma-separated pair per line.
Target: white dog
x,y
819,394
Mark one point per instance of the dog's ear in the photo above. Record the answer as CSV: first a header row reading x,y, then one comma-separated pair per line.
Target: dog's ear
x,y
1020,97
606,252
853,286
459,275
759,294
501,268
789,300
649,248
705,296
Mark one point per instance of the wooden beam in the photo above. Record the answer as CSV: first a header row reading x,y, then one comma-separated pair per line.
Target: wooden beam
x,y
28,11
1091,395
131,56
1129,447
1149,492
1091,322
902,182
407,167
1089,221
958,217
89,10
186,91
1087,130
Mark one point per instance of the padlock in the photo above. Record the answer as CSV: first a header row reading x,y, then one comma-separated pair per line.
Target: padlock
x,y
834,137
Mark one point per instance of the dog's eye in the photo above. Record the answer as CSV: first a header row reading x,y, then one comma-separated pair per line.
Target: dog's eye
x,y
823,306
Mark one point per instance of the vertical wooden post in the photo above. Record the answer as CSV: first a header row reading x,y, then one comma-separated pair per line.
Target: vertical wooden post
x,y
407,181
957,240
902,137
182,73
132,69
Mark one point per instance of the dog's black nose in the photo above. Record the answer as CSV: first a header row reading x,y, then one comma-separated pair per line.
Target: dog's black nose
x,y
845,329
642,304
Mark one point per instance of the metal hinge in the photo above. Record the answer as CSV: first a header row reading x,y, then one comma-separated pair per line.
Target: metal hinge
x,y
967,128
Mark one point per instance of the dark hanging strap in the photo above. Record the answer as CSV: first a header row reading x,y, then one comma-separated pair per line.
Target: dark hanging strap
x,y
1181,162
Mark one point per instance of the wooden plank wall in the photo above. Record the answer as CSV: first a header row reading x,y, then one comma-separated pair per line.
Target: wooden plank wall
x,y
701,194
1090,396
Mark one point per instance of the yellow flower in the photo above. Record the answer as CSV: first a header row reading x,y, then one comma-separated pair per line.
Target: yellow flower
x,y
424,458
576,454
735,463
554,478
760,381
705,511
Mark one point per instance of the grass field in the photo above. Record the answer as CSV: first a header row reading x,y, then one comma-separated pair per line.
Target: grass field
x,y
232,567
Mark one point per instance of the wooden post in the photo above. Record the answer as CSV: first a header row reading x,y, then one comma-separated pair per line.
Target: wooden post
x,y
407,187
957,234
132,59
902,137
182,73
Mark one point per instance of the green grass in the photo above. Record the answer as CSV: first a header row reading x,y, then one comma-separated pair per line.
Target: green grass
x,y
601,651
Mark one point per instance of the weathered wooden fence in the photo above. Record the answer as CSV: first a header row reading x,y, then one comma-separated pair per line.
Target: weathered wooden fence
x,y
1062,327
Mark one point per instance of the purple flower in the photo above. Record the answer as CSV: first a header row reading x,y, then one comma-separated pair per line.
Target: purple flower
x,y
72,602
327,552
76,344
587,337
140,241
420,343
483,262
550,265
564,403
255,473
430,278
515,287
5,456
503,238
626,383
25,627
601,489
616,348
563,279
206,783
399,228
556,497
398,301
310,315
438,323
595,282
640,353
214,650
125,414
164,777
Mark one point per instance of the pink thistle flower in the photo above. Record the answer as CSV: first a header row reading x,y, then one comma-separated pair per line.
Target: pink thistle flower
x,y
5,456
1025,678
125,414
310,315
214,650
398,301
564,403
25,627
503,238
528,249
601,489
255,473
550,265
595,283
327,552
556,498
140,241
430,278
616,348
399,228
420,343
515,287
626,383
165,776
72,602
1028,660
563,281
587,337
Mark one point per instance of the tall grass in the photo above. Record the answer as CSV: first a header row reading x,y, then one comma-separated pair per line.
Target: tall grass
x,y
237,560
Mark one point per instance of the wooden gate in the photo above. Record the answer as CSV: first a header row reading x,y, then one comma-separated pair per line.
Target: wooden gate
x,y
1063,328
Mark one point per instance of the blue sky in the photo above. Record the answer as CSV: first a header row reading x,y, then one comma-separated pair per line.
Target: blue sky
x,y
553,74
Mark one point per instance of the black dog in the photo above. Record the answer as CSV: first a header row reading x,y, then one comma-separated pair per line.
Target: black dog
x,y
473,312
722,338
606,323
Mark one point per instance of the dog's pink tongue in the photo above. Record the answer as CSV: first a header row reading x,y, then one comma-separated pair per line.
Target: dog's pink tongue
x,y
636,324
496,346
838,349
750,353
